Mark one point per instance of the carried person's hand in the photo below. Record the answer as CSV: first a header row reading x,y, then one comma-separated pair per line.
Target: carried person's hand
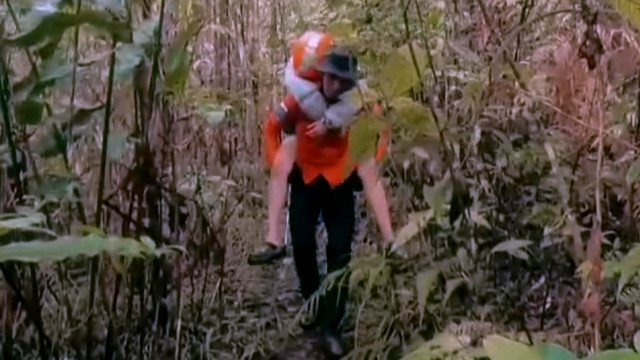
x,y
316,129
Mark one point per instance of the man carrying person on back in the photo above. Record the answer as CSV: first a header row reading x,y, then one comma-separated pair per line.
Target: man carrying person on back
x,y
323,181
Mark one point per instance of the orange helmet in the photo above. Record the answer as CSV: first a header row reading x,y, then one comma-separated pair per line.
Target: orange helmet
x,y
307,50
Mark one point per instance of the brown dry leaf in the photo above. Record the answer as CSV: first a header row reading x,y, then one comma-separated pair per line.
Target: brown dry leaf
x,y
590,306
594,255
622,64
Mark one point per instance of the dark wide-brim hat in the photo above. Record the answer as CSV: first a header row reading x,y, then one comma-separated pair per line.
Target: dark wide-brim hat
x,y
340,62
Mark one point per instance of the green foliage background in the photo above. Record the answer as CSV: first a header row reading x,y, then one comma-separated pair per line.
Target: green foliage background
x,y
132,178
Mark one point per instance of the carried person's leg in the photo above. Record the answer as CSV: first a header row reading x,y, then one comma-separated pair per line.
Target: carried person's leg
x,y
277,195
376,197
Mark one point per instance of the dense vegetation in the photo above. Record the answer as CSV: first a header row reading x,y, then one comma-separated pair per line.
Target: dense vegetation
x,y
132,178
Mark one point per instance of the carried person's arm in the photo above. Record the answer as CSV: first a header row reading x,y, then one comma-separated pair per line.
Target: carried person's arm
x,y
337,116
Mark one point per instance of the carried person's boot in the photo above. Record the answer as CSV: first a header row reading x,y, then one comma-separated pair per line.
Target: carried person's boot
x,y
268,254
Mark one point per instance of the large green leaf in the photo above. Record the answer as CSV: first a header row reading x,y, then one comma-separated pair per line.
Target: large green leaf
x,y
513,247
143,34
620,354
23,227
633,174
50,73
471,95
214,114
116,147
438,195
48,141
501,348
114,6
630,9
53,186
52,25
65,247
453,285
369,269
421,57
417,221
397,76
20,222
464,52
48,49
344,30
554,352
81,116
177,69
425,282
363,137
128,57
29,111
178,60
56,167
626,267
187,34
442,346
413,116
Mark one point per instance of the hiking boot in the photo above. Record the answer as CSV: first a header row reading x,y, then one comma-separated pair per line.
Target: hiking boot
x,y
333,345
267,254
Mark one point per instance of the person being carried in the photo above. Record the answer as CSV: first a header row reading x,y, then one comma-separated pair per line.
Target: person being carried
x,y
303,81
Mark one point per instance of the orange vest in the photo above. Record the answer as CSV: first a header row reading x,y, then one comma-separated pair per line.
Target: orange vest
x,y
326,156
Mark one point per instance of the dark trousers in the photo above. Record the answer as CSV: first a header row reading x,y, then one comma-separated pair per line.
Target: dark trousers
x,y
337,206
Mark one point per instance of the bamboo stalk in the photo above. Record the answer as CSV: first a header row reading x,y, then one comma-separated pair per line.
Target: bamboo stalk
x,y
155,70
101,181
76,35
7,121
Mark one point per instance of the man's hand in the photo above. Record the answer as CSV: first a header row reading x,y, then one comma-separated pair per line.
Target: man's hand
x,y
316,129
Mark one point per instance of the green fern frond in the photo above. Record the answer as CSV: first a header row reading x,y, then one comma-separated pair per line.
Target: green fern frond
x,y
630,294
372,270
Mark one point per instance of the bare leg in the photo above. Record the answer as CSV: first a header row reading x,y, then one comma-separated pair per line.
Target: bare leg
x,y
376,197
282,166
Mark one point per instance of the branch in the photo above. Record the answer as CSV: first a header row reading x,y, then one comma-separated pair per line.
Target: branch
x,y
432,109
426,43
139,225
27,306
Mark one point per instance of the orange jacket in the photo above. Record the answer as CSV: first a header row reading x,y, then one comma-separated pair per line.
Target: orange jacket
x,y
326,156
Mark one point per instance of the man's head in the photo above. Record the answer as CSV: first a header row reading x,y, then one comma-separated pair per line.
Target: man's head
x,y
340,72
